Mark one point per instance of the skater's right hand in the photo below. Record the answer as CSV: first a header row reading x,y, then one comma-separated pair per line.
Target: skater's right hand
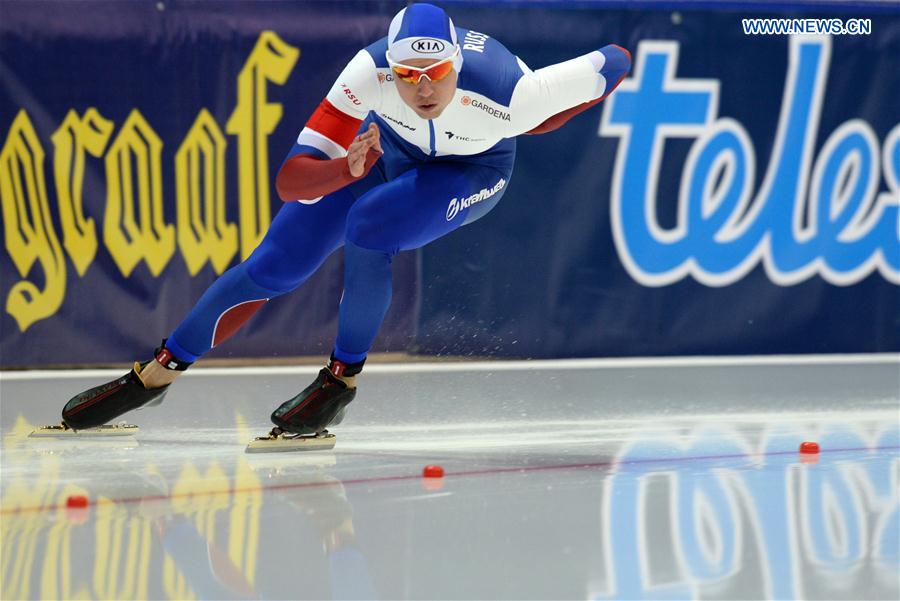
x,y
359,150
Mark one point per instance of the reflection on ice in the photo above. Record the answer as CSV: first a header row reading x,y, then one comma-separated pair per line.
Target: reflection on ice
x,y
711,506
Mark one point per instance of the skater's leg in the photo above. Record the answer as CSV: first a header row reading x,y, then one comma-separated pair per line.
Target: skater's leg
x,y
403,214
231,300
420,206
300,238
368,288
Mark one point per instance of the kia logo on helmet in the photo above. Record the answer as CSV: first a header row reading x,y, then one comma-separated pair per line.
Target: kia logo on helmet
x,y
428,46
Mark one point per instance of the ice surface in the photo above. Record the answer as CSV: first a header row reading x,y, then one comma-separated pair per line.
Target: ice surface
x,y
562,482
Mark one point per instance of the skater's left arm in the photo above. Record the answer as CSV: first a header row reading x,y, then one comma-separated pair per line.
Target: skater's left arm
x,y
545,99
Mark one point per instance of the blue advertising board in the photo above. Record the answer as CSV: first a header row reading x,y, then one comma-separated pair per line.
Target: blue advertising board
x,y
737,194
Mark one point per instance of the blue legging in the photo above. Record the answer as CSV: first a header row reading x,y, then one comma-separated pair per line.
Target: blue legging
x,y
373,220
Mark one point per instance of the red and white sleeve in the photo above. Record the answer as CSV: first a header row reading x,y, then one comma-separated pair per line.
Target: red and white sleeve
x,y
318,166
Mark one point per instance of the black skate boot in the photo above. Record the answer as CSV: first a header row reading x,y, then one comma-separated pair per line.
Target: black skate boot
x,y
104,403
321,403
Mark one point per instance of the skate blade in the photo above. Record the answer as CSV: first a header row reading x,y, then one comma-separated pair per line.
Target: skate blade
x,y
288,442
104,431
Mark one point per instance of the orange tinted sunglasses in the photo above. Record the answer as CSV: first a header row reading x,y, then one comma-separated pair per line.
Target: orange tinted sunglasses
x,y
435,72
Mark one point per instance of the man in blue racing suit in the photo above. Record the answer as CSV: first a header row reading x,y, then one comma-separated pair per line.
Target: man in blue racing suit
x,y
415,139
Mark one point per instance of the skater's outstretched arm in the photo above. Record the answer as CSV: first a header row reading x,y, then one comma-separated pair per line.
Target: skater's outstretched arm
x,y
546,98
616,64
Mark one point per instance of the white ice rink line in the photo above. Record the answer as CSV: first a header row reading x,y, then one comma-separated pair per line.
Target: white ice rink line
x,y
495,366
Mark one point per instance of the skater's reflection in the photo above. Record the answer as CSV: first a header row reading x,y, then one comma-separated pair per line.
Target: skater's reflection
x,y
288,530
244,532
321,500
207,568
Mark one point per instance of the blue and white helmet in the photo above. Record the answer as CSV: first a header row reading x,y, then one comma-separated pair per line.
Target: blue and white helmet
x,y
423,31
